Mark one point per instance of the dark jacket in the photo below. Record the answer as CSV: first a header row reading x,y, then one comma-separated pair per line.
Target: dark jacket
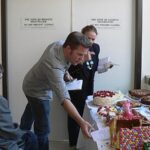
x,y
78,97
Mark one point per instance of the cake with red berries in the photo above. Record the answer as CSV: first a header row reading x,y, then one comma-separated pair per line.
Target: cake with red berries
x,y
106,98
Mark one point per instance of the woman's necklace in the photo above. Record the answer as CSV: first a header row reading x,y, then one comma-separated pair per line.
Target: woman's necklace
x,y
89,64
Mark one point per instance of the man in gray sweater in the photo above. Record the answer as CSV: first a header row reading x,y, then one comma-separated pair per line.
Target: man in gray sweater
x,y
47,76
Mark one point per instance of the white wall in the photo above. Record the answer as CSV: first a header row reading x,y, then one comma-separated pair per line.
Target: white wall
x,y
118,43
145,41
25,45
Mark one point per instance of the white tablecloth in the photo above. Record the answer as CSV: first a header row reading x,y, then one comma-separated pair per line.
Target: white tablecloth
x,y
102,136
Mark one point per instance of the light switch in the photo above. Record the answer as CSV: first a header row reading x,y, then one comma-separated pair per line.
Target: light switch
x,y
147,79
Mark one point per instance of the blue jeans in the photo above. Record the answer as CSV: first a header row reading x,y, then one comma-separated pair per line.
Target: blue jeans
x,y
30,141
37,112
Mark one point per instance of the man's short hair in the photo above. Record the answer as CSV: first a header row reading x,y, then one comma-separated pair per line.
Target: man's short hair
x,y
75,39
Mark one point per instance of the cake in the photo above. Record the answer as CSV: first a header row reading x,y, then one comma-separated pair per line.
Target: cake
x,y
139,93
145,100
133,103
106,98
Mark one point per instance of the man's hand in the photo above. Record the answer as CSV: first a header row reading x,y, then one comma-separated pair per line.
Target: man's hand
x,y
72,111
85,127
67,77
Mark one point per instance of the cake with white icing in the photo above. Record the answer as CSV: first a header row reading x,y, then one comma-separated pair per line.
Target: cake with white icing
x,y
104,98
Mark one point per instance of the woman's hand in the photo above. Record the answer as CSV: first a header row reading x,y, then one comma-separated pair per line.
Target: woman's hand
x,y
88,56
109,65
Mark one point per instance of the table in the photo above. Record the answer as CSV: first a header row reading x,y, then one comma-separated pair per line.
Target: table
x,y
101,140
102,136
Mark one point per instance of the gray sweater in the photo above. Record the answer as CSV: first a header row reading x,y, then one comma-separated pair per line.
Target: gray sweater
x,y
47,75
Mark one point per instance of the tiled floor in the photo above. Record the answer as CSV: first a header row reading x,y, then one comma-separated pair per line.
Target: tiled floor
x,y
59,145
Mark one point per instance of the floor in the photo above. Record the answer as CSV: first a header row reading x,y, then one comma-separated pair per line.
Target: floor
x,y
59,145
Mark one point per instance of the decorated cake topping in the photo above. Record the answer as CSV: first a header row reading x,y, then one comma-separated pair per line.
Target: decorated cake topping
x,y
106,97
107,110
127,110
104,94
